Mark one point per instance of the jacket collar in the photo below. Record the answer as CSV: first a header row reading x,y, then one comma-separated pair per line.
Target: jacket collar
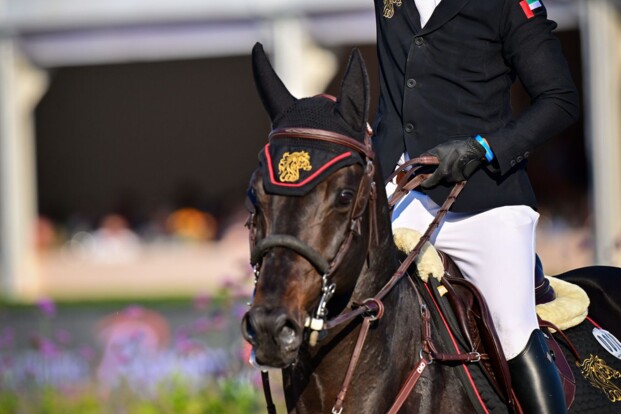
x,y
442,14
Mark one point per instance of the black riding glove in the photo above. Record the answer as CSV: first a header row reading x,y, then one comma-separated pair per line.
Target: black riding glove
x,y
458,160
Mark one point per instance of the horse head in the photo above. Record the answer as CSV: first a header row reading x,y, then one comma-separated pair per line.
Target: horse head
x,y
311,201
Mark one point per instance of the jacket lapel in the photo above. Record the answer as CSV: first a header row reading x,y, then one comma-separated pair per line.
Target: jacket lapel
x,y
442,14
411,13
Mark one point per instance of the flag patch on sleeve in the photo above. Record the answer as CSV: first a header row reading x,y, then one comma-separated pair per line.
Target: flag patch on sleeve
x,y
529,6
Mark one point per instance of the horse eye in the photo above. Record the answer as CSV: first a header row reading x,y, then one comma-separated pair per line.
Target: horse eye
x,y
251,200
345,197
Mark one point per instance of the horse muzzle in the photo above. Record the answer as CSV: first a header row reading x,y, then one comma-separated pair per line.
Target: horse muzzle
x,y
274,335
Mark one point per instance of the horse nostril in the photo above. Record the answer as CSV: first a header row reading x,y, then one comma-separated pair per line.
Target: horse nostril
x,y
287,336
263,328
248,331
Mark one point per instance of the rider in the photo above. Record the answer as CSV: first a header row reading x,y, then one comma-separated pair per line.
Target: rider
x,y
446,69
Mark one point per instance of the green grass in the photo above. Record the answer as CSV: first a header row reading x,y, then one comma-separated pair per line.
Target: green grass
x,y
223,397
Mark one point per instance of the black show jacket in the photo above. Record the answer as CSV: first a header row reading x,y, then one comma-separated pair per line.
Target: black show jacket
x,y
451,80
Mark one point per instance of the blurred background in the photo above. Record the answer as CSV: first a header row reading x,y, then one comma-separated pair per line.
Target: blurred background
x,y
128,132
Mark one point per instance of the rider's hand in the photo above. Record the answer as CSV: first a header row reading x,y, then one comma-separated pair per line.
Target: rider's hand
x,y
458,160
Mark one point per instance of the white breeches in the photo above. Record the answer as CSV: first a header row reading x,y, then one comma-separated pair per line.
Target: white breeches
x,y
495,250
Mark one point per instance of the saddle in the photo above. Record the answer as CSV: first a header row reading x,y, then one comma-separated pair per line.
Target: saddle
x,y
468,316
478,331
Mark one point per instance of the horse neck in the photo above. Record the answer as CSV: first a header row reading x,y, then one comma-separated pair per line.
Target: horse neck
x,y
382,255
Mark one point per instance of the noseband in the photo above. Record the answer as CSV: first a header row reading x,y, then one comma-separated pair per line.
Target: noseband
x,y
366,192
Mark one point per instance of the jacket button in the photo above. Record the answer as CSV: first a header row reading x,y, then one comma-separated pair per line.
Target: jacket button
x,y
411,83
519,158
512,163
409,127
526,154
419,41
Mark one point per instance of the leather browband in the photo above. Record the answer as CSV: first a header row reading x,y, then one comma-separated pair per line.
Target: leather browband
x,y
328,136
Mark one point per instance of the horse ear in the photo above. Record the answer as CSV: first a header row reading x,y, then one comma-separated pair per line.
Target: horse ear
x,y
273,93
353,104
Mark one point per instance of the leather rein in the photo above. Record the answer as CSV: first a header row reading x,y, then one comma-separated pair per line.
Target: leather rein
x,y
371,309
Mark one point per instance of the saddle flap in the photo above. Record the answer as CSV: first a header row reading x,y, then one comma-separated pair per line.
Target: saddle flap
x,y
477,328
564,370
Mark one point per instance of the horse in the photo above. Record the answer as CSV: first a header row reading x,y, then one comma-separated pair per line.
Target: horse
x,y
322,245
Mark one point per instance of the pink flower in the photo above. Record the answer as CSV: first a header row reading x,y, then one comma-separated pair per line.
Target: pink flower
x,y
134,311
201,302
7,339
201,325
87,352
62,336
47,348
47,307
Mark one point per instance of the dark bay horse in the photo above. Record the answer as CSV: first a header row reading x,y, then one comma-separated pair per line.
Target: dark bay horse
x,y
334,219
321,245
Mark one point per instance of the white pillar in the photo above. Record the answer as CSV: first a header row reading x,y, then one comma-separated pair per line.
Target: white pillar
x,y
304,67
601,44
20,88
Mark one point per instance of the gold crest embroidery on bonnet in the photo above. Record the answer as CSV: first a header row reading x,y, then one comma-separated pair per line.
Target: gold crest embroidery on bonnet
x,y
290,165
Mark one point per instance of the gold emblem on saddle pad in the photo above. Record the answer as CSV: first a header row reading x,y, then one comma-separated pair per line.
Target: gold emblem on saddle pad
x,y
290,165
389,7
600,376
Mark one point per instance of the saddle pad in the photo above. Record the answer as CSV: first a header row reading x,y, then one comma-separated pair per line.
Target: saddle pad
x,y
428,262
598,374
569,308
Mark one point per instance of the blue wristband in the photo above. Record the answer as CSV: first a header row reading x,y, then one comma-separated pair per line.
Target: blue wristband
x,y
489,155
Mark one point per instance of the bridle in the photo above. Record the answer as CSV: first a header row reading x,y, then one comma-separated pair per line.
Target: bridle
x,y
365,194
370,309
